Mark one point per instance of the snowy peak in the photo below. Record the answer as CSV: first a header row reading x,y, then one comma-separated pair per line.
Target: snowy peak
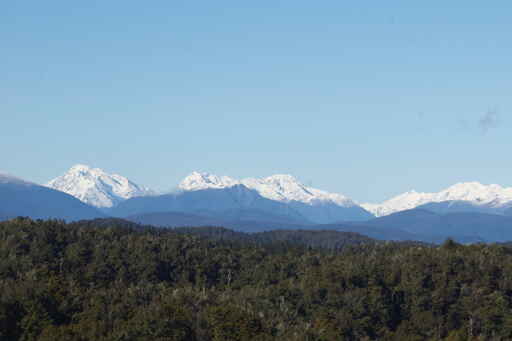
x,y
472,192
402,202
96,187
477,193
287,188
81,169
279,187
199,181
282,179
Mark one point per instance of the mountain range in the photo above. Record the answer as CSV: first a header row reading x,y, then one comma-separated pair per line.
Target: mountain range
x,y
466,211
97,188
314,205
202,192
468,196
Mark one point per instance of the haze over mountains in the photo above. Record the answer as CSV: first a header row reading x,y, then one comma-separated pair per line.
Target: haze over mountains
x,y
466,211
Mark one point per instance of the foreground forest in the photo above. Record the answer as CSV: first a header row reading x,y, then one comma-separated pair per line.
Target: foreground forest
x,y
113,281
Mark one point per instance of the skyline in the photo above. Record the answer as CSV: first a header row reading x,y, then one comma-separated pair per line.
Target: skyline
x,y
457,187
369,102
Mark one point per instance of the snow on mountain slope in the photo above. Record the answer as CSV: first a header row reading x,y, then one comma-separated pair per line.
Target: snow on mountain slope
x,y
286,188
96,187
475,193
283,188
198,181
312,204
402,202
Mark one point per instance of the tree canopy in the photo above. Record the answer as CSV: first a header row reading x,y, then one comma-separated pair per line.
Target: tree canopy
x,y
111,281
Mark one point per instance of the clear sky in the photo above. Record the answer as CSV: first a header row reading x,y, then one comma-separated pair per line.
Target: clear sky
x,y
366,100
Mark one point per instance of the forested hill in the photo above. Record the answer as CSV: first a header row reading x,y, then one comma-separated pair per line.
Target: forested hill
x,y
326,239
85,282
314,239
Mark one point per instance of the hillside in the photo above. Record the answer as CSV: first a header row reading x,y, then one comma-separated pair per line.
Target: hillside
x,y
81,281
22,198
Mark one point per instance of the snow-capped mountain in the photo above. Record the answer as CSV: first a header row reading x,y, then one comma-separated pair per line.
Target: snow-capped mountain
x,y
280,187
490,197
95,187
314,204
286,188
199,181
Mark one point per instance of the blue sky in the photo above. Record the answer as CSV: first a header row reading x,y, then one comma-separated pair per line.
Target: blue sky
x,y
369,101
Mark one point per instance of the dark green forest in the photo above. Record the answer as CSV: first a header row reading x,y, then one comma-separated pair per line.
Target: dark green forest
x,y
109,280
